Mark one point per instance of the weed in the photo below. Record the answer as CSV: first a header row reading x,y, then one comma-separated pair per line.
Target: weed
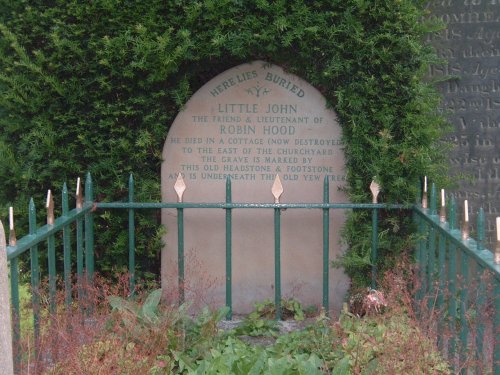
x,y
143,336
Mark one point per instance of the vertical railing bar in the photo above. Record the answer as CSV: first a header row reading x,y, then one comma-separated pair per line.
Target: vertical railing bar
x,y
87,306
16,325
229,293
431,254
89,231
180,188
180,253
375,190
51,248
452,276
432,249
66,248
433,205
35,279
277,190
452,345
79,256
481,296
464,329
425,259
421,260
452,286
441,288
374,247
326,245
418,258
79,245
277,262
452,304
481,318
51,255
131,237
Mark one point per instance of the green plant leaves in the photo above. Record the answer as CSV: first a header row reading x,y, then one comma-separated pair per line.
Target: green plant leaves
x,y
150,306
174,342
343,367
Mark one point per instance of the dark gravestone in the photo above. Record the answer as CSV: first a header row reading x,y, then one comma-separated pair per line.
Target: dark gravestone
x,y
471,101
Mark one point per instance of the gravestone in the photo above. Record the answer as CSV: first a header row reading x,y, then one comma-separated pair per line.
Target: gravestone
x,y
470,44
251,123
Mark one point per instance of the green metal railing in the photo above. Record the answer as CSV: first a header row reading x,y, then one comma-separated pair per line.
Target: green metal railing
x,y
454,271
228,205
439,250
45,236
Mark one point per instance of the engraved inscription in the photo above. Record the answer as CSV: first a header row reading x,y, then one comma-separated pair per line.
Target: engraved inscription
x,y
470,44
257,139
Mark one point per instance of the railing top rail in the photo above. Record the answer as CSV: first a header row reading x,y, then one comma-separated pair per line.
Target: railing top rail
x,y
484,258
42,233
224,205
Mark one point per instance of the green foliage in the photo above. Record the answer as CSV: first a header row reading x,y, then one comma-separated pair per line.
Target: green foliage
x,y
290,309
235,357
93,86
147,314
260,322
351,346
150,338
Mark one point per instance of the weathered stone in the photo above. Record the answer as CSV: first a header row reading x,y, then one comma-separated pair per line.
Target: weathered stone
x,y
6,359
470,44
253,122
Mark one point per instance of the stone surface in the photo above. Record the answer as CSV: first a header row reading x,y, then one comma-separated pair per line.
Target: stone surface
x,y
470,44
253,122
6,359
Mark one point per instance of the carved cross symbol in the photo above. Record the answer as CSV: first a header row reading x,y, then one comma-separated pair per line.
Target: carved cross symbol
x,y
258,89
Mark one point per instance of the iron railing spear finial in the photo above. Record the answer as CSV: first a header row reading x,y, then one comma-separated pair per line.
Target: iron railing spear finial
x,y
425,202
465,221
50,208
442,211
179,187
375,189
79,194
12,231
277,189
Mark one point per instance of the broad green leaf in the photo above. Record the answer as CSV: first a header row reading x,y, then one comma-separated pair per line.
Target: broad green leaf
x,y
149,309
343,367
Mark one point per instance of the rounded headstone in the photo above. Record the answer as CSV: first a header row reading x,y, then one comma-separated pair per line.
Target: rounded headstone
x,y
252,123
